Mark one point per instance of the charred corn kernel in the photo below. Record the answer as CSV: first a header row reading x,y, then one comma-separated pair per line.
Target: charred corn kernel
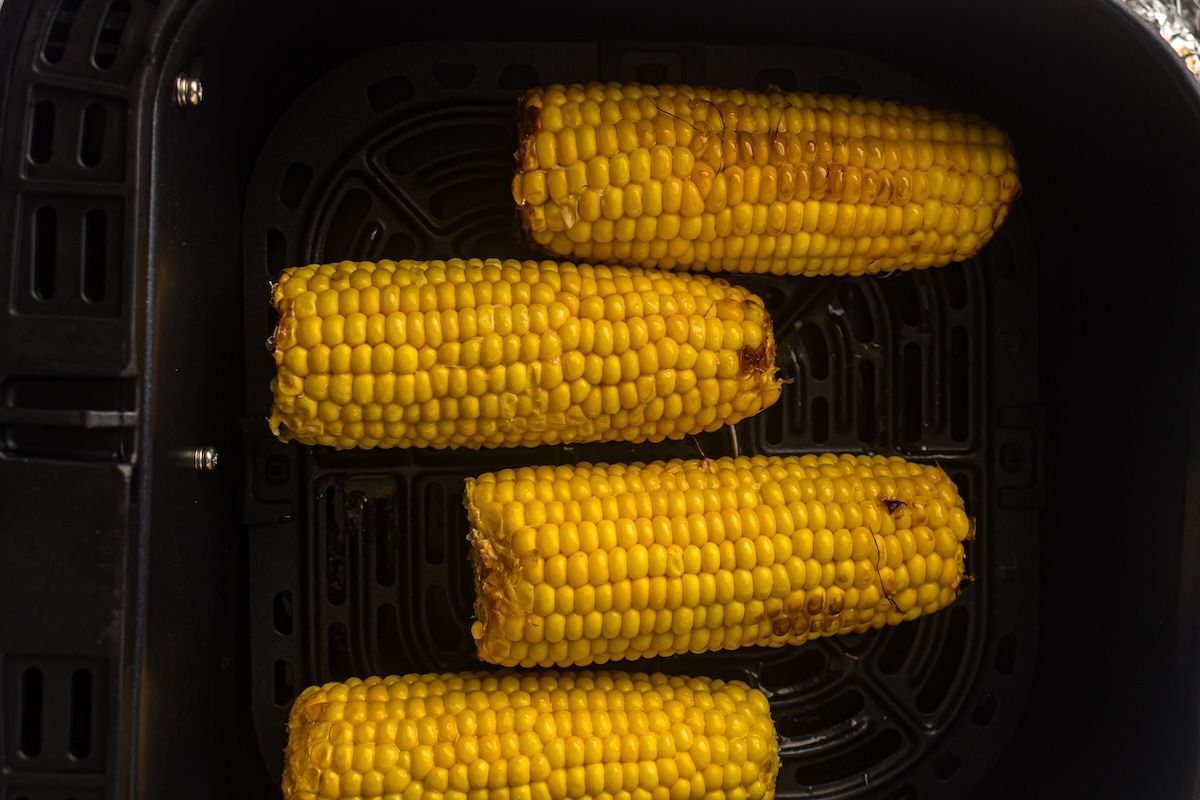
x,y
764,163
474,353
709,554
519,736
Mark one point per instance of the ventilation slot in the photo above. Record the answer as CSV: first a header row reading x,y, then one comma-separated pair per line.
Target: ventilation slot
x,y
32,691
109,41
296,180
283,612
335,548
41,132
95,252
960,386
45,252
340,667
854,762
60,31
400,245
865,411
816,352
911,393
858,312
389,92
285,683
954,281
802,667
443,624
899,645
392,652
342,238
91,140
949,661
808,724
79,738
434,515
819,420
385,540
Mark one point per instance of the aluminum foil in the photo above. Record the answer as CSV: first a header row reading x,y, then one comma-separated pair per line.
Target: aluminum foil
x,y
1176,21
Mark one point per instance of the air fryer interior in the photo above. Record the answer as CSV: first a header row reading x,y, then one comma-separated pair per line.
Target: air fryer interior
x,y
1054,376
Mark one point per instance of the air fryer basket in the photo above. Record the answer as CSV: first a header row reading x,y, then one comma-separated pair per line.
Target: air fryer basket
x,y
184,603
368,571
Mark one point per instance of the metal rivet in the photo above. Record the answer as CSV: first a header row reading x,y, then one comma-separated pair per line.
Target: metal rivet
x,y
188,90
205,459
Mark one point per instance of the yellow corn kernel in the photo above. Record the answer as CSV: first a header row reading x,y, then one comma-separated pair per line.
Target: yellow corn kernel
x,y
690,150
473,353
710,554
502,734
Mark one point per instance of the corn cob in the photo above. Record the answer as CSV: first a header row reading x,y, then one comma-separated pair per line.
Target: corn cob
x,y
579,565
525,736
783,182
506,353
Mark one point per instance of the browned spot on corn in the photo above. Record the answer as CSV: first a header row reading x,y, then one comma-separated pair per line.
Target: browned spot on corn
x,y
740,181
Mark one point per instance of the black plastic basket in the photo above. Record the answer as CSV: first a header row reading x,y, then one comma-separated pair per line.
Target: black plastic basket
x,y
164,610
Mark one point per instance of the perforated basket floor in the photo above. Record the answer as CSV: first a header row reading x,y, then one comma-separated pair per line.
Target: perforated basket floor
x,y
359,559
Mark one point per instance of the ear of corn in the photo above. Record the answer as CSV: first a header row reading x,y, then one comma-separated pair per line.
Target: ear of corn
x,y
782,182
526,736
578,565
472,353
